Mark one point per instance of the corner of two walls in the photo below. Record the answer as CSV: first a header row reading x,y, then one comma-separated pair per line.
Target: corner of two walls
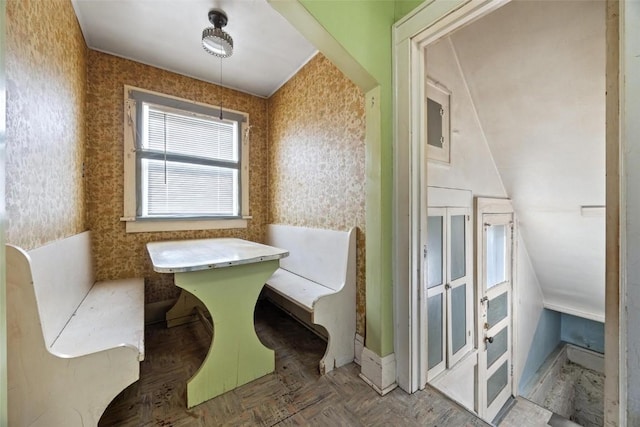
x,y
46,94
545,338
317,157
538,333
64,159
553,329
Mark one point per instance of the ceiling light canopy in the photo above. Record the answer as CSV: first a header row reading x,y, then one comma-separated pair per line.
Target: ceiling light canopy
x,y
214,40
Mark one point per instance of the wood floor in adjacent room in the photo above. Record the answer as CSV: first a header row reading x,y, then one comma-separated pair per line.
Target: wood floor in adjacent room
x,y
295,394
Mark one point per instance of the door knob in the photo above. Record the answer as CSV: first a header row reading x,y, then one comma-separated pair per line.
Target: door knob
x,y
488,339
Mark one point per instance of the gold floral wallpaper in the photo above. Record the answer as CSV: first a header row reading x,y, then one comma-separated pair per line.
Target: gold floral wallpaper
x,y
317,157
119,254
46,85
65,139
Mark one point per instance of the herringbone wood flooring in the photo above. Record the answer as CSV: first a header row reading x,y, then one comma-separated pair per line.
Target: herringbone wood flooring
x,y
295,394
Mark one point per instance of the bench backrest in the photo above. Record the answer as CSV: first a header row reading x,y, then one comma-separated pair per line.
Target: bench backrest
x,y
320,255
62,273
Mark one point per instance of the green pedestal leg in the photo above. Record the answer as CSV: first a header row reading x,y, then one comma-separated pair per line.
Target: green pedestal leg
x,y
236,355
182,311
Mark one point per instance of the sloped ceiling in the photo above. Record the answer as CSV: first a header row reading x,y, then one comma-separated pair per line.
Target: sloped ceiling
x,y
536,73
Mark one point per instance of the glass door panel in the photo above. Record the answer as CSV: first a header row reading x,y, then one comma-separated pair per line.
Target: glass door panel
x,y
497,309
458,318
434,123
498,347
435,236
496,254
497,383
458,247
435,336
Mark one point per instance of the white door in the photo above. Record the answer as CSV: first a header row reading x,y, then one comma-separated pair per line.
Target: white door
x,y
449,288
495,371
436,278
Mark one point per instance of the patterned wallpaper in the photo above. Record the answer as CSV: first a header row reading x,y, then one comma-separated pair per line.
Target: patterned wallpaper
x,y
64,108
119,254
317,156
46,85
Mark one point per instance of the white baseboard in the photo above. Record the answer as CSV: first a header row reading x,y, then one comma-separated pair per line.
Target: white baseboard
x,y
358,346
378,372
539,386
586,358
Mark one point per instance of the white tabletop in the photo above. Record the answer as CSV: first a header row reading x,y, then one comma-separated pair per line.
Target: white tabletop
x,y
179,256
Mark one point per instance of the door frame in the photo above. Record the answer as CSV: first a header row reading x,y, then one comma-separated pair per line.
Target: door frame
x,y
440,18
3,311
426,24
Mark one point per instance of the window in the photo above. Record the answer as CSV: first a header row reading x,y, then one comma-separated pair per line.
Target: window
x,y
437,119
185,165
449,288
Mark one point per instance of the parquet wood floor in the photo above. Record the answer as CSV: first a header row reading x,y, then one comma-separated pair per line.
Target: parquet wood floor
x,y
294,395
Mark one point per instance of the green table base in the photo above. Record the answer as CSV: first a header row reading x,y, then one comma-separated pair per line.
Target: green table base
x,y
236,355
182,311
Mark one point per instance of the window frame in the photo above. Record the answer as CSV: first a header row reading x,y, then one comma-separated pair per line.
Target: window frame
x,y
440,94
132,115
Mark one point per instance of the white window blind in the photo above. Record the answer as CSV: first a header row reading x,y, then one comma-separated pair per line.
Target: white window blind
x,y
188,164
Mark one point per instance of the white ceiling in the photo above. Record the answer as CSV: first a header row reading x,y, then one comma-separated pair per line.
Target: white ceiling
x,y
536,74
167,34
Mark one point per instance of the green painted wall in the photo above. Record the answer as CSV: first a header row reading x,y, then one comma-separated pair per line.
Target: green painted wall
x,y
364,29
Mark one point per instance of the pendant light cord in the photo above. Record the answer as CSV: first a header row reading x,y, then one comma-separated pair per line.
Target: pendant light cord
x,y
220,89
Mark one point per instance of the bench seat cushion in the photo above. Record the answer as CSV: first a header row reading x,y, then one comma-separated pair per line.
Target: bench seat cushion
x,y
110,315
297,289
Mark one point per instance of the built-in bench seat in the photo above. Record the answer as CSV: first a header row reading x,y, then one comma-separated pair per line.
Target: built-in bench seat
x,y
298,289
316,283
73,344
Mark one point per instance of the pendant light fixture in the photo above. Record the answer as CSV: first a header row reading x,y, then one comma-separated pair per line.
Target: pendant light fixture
x,y
215,40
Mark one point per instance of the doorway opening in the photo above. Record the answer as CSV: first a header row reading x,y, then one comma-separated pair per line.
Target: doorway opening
x,y
510,72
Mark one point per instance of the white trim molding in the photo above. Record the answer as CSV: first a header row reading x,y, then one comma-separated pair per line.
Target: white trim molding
x,y
134,226
378,372
574,312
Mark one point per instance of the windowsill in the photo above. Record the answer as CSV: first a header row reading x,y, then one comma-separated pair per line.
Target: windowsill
x,y
143,226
